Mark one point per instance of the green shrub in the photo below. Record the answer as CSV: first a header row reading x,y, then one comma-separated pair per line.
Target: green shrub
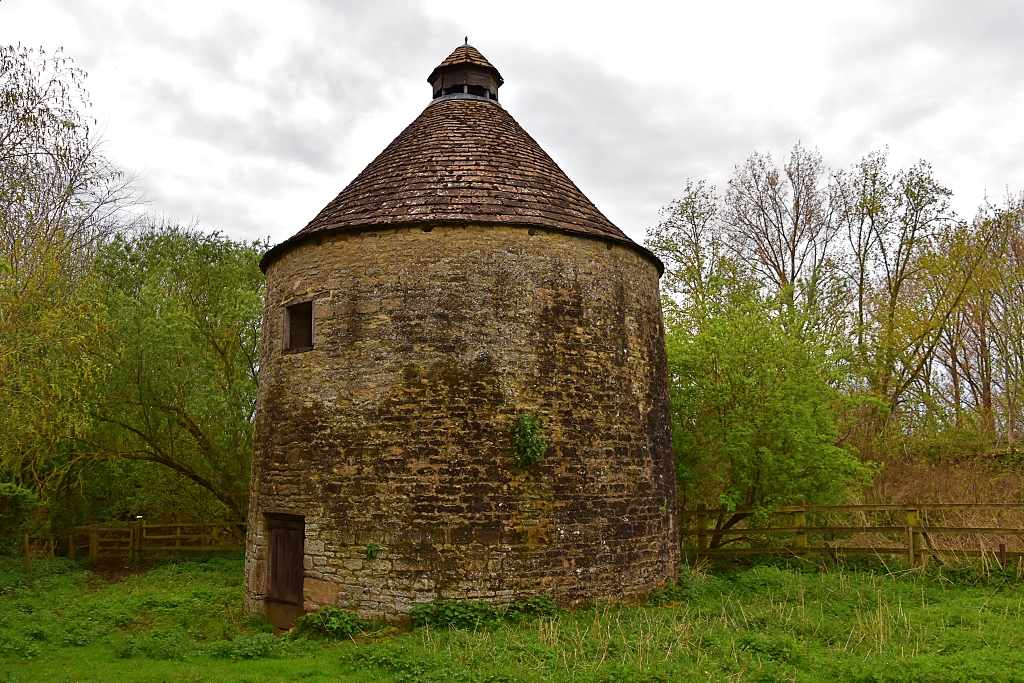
x,y
330,623
468,614
528,438
52,574
537,606
18,647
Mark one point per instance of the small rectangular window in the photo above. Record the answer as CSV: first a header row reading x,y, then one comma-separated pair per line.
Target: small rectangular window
x,y
299,334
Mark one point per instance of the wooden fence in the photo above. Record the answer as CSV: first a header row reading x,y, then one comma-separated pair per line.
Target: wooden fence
x,y
911,531
143,539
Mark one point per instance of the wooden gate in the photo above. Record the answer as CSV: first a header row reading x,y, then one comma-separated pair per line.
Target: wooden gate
x,y
286,538
146,539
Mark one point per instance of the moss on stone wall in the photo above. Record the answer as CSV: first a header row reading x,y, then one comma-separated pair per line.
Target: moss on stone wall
x,y
394,429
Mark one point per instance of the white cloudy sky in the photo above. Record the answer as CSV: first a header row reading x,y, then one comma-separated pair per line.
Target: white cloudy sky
x,y
250,116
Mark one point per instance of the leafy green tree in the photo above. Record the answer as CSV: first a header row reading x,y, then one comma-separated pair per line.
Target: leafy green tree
x,y
182,346
754,406
912,268
755,389
127,353
972,391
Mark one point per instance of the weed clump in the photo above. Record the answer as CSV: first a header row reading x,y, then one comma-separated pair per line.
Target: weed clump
x,y
980,572
172,644
329,624
691,583
774,647
48,575
476,614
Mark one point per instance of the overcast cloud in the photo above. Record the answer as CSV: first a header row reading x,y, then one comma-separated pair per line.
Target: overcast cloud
x,y
251,116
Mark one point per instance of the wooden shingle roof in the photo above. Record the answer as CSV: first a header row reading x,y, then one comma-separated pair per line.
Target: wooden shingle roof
x,y
463,160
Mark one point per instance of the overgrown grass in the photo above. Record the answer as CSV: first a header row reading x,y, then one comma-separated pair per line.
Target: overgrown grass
x,y
172,611
788,620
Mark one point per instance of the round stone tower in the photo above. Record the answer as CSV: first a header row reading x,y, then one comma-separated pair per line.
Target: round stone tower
x,y
459,281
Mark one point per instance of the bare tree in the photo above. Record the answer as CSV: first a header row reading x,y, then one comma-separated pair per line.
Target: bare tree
x,y
865,209
58,194
782,222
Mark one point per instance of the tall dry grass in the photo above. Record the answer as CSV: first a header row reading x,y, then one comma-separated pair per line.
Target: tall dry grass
x,y
976,480
902,481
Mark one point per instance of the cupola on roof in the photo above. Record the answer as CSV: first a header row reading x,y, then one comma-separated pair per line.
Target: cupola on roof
x,y
463,160
465,71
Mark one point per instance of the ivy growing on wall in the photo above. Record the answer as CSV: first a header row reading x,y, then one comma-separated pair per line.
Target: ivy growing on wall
x,y
528,438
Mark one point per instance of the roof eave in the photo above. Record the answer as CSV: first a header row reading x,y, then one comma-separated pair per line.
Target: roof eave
x,y
279,250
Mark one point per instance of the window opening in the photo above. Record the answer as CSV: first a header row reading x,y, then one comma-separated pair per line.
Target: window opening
x,y
300,326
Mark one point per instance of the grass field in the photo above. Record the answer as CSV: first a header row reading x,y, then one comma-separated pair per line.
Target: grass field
x,y
787,620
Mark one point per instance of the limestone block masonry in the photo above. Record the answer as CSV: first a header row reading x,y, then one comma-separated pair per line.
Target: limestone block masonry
x,y
393,430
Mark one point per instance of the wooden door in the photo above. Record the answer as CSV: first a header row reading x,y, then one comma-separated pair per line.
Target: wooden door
x,y
286,537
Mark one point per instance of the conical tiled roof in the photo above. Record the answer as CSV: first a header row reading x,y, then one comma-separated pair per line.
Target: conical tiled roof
x,y
463,160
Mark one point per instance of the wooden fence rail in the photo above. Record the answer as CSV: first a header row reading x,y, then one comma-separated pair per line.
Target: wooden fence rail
x,y
917,535
142,539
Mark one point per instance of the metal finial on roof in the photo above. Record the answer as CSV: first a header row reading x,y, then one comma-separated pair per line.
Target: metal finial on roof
x,y
467,40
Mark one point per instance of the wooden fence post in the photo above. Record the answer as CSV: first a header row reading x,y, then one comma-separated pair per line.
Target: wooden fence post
x,y
800,522
52,543
702,528
913,537
94,544
136,530
71,545
28,563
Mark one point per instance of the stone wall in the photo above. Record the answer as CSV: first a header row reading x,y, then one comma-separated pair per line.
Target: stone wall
x,y
394,429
